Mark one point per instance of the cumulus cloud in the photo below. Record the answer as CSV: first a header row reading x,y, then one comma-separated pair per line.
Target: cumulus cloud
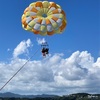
x,y
22,47
41,40
8,49
53,75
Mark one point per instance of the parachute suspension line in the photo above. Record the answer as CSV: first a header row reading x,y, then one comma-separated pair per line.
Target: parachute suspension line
x,y
19,70
46,38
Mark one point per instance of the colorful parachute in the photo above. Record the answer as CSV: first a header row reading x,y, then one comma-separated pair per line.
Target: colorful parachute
x,y
44,18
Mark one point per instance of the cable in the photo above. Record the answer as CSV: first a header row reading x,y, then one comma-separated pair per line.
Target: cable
x,y
18,70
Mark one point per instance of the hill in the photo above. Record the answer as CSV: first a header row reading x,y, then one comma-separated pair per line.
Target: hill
x,y
77,96
12,95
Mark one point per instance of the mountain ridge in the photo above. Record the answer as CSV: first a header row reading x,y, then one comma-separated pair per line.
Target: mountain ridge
x,y
11,95
74,96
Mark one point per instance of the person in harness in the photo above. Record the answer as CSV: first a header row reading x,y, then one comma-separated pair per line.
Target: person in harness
x,y
45,49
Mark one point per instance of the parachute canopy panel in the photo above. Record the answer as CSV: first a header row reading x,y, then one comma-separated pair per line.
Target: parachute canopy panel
x,y
44,18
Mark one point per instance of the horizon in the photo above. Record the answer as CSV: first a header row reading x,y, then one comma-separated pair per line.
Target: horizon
x,y
47,94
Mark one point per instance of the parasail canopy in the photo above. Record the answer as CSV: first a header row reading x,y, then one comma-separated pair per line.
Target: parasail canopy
x,y
44,18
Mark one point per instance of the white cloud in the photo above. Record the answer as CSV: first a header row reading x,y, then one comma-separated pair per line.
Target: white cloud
x,y
97,63
53,75
41,40
22,47
8,49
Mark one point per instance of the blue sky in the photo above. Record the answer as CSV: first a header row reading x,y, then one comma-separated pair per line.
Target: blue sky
x,y
82,31
81,37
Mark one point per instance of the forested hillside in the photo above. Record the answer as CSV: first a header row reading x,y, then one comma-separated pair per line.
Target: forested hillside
x,y
78,96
